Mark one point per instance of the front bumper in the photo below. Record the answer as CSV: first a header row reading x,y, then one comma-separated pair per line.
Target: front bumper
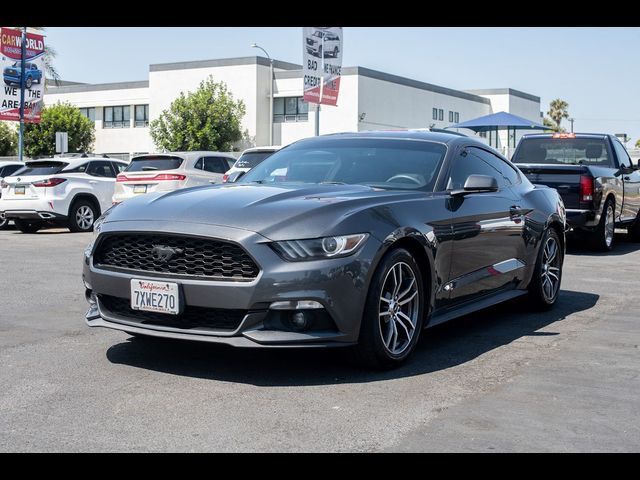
x,y
339,285
11,78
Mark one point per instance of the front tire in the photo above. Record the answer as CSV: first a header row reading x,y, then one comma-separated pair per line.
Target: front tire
x,y
547,275
82,215
602,238
394,310
28,82
27,227
3,221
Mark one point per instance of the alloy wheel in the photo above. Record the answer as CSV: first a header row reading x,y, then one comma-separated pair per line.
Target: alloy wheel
x,y
84,217
609,226
398,308
550,269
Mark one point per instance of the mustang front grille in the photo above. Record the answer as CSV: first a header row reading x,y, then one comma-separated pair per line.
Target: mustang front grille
x,y
176,255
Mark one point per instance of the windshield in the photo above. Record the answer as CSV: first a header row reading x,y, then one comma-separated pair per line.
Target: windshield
x,y
251,159
144,164
383,163
40,168
317,33
559,151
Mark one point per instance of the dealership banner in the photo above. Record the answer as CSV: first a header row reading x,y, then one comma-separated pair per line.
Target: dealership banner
x,y
322,62
11,63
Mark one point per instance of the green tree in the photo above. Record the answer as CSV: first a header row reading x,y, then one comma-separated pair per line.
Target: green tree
x,y
558,111
206,119
40,138
638,143
547,122
8,140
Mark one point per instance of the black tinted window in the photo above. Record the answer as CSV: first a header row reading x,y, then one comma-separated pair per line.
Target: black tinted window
x,y
199,164
79,169
467,164
621,153
251,159
8,170
215,165
100,169
139,164
41,168
573,151
507,171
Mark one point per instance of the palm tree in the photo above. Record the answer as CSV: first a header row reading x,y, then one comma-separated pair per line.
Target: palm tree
x,y
558,111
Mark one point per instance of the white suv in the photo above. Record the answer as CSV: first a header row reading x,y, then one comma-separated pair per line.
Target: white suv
x,y
6,169
165,172
249,159
72,192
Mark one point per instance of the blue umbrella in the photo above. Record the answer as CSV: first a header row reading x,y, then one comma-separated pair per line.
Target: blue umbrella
x,y
498,121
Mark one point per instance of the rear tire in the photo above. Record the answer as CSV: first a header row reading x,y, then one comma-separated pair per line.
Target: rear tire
x,y
28,82
82,215
27,227
393,314
547,275
602,238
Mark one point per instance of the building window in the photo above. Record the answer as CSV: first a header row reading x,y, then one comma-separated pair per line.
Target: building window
x,y
456,117
290,109
117,117
89,112
142,116
450,116
440,114
435,113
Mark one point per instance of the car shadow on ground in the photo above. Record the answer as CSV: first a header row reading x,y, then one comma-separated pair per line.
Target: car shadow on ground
x,y
441,347
44,231
623,245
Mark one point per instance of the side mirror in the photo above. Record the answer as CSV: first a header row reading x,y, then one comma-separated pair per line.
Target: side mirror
x,y
235,176
477,184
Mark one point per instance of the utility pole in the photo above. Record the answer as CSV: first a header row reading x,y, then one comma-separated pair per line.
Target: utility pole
x,y
571,120
23,49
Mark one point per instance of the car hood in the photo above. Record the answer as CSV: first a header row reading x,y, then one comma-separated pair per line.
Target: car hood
x,y
276,212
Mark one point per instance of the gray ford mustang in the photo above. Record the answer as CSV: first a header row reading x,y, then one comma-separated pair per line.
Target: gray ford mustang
x,y
358,239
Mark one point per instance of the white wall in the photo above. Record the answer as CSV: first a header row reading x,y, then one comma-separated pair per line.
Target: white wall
x,y
389,106
111,140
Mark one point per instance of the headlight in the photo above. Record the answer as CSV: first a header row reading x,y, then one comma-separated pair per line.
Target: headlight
x,y
319,248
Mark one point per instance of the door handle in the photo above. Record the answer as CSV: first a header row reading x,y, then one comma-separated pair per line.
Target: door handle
x,y
92,182
212,181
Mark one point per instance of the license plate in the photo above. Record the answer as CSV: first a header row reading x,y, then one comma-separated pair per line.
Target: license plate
x,y
19,190
158,297
139,189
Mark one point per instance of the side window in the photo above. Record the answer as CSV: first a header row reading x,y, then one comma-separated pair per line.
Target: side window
x,y
79,169
9,170
466,164
621,153
100,169
231,162
215,165
118,167
199,163
507,171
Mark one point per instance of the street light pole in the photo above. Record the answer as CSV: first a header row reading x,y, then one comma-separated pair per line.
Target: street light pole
x,y
255,45
571,120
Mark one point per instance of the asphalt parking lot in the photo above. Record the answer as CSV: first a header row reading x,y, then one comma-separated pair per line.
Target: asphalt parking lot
x,y
501,380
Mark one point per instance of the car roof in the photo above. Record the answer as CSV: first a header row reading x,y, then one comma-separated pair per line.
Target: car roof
x,y
4,163
187,155
439,136
73,161
266,148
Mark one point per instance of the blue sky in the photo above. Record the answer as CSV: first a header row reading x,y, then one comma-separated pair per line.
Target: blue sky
x,y
596,70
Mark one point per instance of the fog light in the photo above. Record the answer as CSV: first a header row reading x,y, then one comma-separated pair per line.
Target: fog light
x,y
299,320
296,305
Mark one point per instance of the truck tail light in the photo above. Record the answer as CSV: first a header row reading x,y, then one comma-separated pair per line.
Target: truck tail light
x,y
586,188
225,178
49,182
563,135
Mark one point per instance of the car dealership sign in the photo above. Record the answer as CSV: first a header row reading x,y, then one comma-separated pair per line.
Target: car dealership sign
x,y
322,62
11,63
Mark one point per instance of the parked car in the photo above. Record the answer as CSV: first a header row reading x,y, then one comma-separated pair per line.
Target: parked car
x,y
323,44
70,192
6,169
357,239
598,182
249,159
166,172
13,73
